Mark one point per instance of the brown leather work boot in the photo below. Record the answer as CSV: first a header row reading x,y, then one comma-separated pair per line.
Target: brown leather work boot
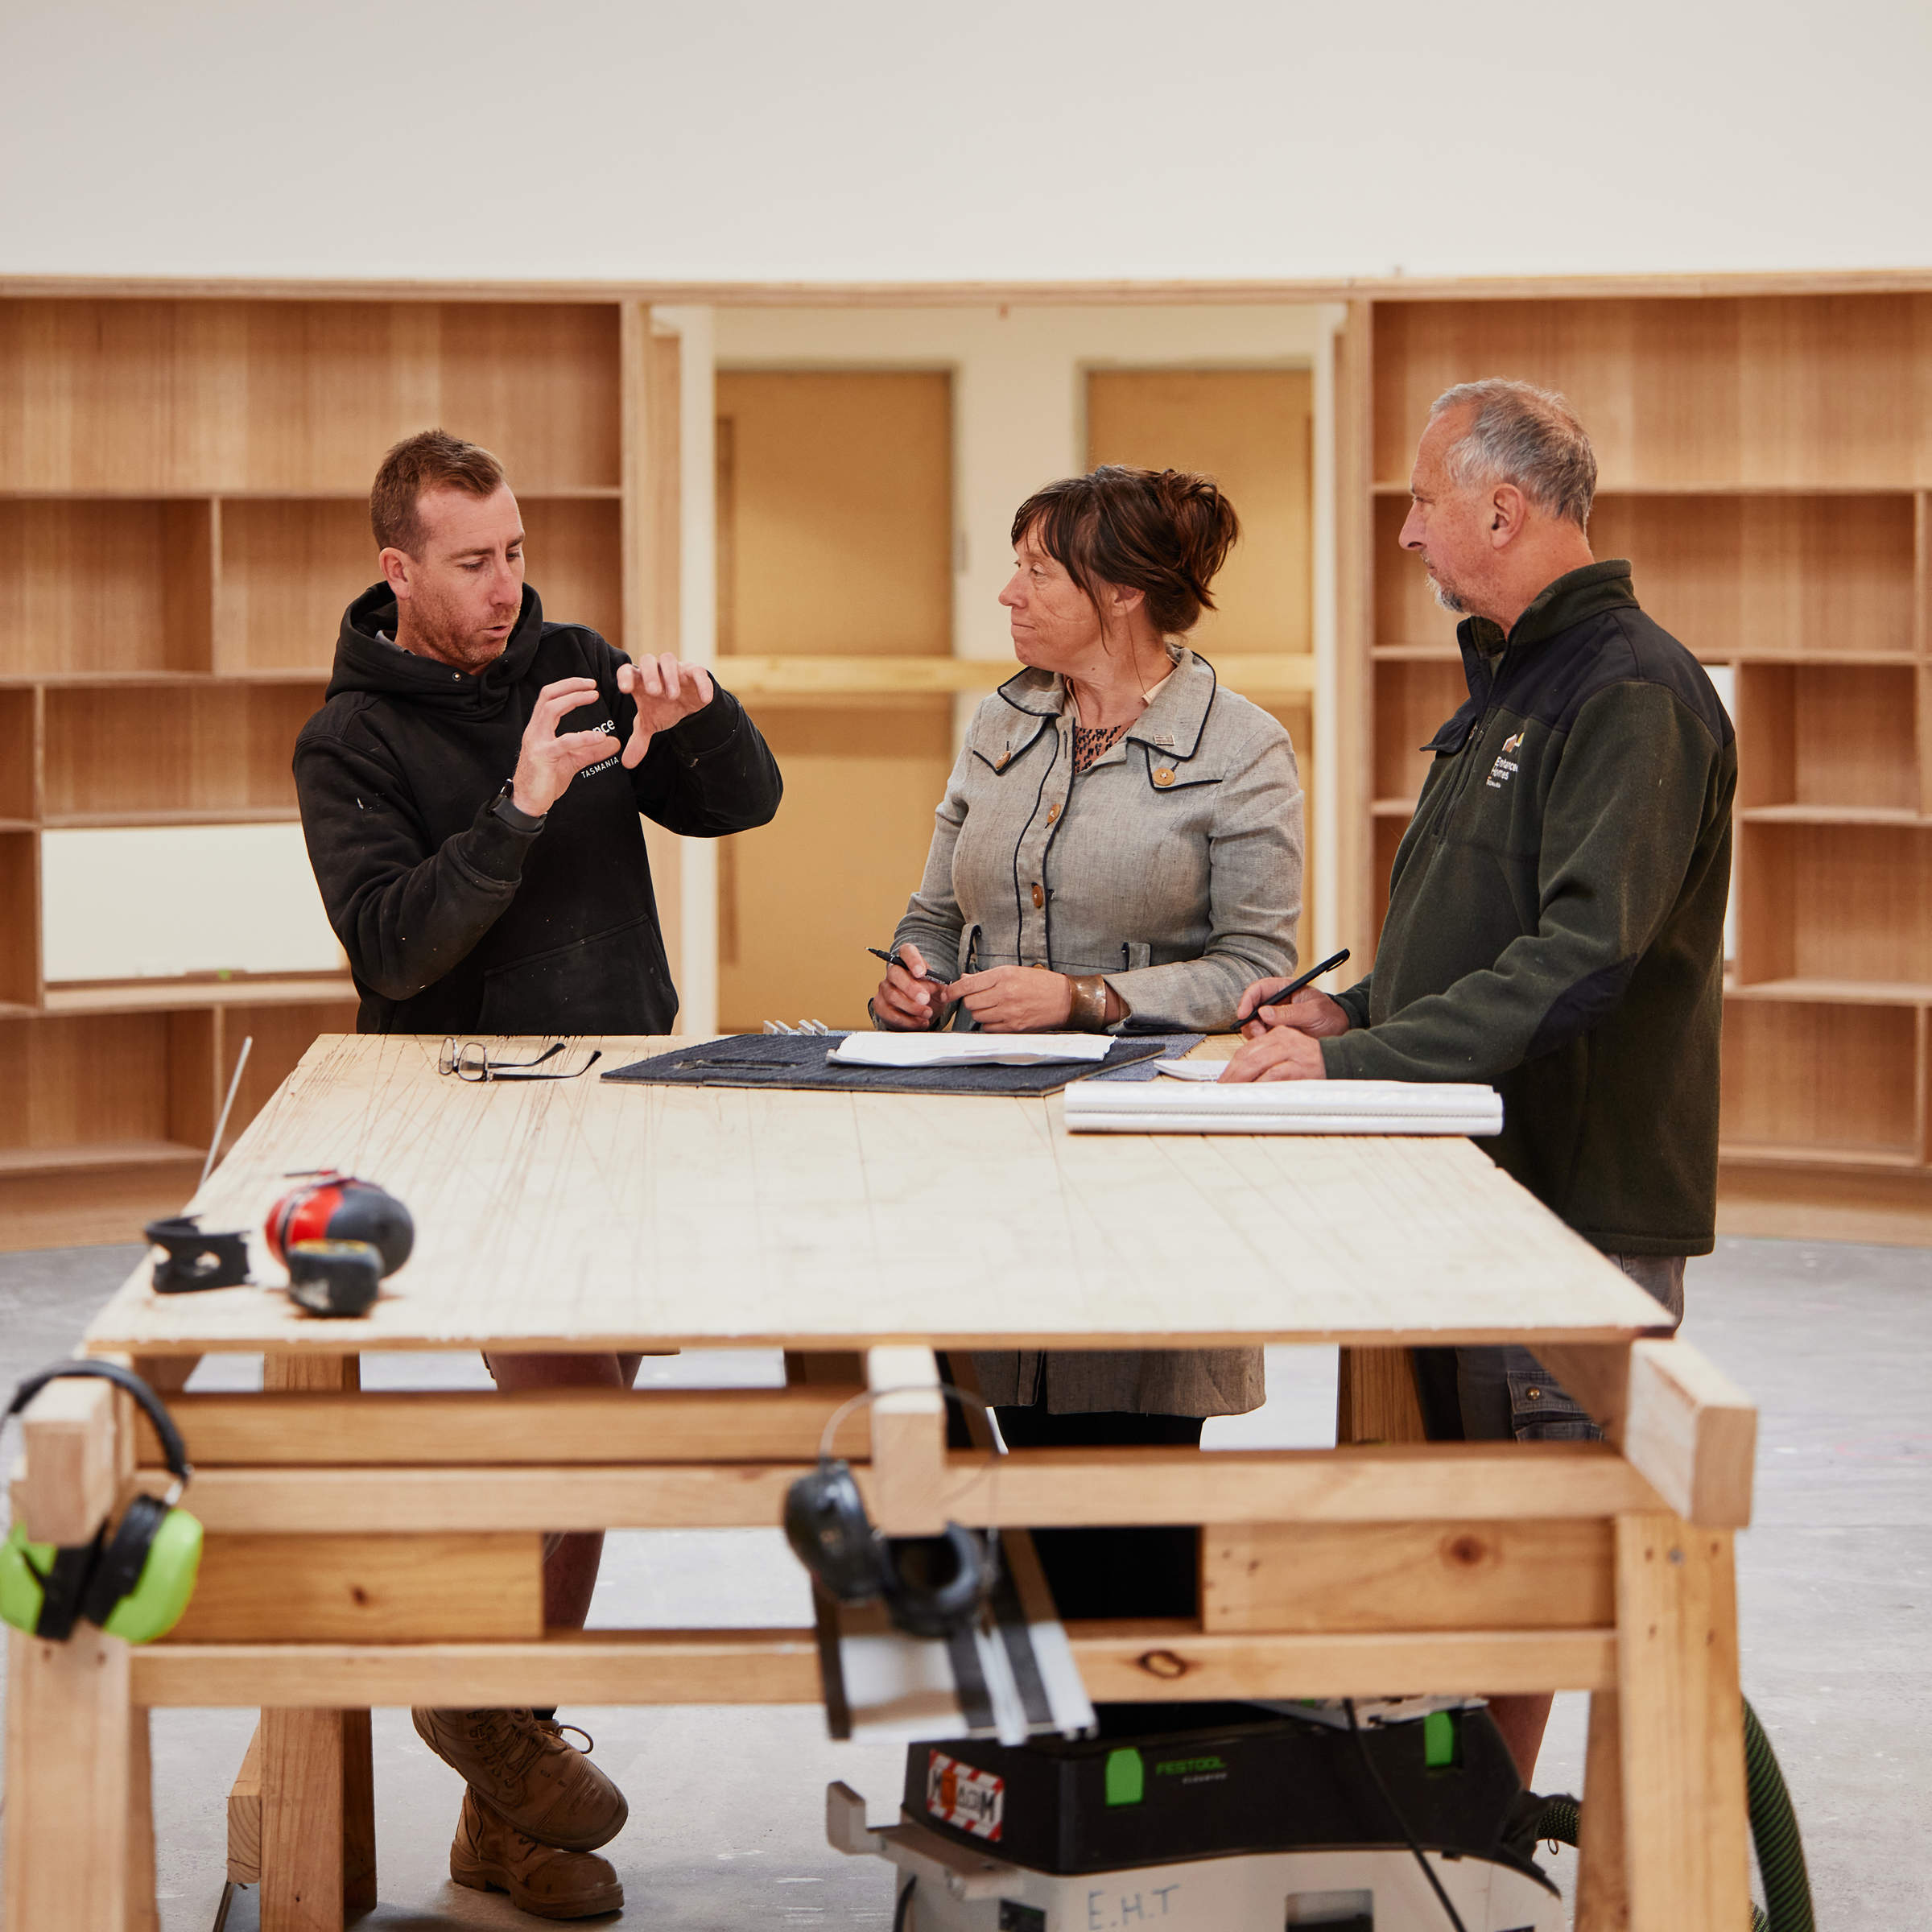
x,y
519,1764
489,1854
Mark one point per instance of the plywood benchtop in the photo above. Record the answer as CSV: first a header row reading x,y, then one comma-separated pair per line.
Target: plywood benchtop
x,y
582,1214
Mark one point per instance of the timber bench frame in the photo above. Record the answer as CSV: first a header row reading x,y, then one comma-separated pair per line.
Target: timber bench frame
x,y
384,1548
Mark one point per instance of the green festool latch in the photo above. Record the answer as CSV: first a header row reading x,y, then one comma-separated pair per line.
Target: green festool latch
x,y
1126,1777
1441,1746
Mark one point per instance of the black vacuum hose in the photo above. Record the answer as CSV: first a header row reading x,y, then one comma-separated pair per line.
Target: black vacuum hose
x,y
1781,1853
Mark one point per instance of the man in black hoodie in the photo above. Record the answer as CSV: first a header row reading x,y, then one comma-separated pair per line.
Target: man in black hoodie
x,y
471,793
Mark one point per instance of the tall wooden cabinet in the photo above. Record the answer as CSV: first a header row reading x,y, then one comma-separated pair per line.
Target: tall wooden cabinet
x,y
183,517
1766,466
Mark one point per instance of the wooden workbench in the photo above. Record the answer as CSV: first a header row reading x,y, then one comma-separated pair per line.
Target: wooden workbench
x,y
381,1549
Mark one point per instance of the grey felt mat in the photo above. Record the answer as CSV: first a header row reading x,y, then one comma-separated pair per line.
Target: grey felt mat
x,y
798,1060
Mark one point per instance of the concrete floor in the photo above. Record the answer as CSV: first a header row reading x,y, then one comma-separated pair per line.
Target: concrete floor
x,y
726,1804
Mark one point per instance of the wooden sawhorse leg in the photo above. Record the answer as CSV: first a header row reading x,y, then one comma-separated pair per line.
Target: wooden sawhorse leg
x,y
1679,1734
70,1773
1603,1895
144,1914
317,1819
317,1783
1375,1399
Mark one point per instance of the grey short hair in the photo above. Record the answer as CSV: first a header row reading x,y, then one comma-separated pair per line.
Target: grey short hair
x,y
1527,436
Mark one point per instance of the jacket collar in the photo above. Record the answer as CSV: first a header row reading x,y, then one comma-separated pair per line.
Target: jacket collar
x,y
1172,724
1564,600
1561,605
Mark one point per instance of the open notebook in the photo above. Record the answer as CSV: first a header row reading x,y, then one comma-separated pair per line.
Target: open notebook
x,y
1285,1107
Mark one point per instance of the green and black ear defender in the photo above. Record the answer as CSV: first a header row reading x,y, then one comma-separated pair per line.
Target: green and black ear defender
x,y
134,1579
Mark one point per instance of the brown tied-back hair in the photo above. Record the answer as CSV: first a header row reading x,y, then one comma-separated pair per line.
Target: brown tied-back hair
x,y
432,459
1164,532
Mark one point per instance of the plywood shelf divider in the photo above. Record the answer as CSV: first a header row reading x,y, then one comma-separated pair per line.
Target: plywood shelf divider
x,y
239,814
1624,487
19,919
1847,992
19,758
16,1160
938,676
1832,815
150,996
1800,1154
1451,654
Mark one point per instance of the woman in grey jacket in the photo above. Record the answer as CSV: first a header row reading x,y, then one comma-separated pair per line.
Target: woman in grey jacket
x,y
1119,839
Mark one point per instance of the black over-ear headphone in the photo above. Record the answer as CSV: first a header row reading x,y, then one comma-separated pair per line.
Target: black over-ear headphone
x,y
931,1586
133,1583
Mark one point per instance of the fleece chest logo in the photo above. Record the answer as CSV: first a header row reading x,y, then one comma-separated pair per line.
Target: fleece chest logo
x,y
609,727
1504,768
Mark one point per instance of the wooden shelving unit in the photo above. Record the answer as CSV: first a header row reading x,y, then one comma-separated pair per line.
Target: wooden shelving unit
x,y
1767,468
183,517
182,475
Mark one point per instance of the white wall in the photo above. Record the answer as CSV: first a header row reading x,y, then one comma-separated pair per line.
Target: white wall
x,y
893,139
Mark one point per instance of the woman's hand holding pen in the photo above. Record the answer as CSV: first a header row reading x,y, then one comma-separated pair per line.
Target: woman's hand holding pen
x,y
907,1001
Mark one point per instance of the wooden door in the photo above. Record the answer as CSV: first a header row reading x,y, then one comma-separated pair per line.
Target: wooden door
x,y
835,539
1251,430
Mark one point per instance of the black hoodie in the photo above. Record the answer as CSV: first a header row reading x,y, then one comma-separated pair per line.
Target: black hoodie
x,y
454,920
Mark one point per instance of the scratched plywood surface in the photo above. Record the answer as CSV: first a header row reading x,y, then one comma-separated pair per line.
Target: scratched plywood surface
x,y
581,1214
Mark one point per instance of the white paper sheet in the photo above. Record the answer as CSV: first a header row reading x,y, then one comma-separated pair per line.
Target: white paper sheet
x,y
1190,1070
968,1049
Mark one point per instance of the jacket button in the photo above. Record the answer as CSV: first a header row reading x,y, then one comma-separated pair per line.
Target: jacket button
x,y
1053,811
1163,778
1039,897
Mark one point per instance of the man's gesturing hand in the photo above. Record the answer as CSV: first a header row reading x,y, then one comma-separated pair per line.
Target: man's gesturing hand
x,y
666,690
546,763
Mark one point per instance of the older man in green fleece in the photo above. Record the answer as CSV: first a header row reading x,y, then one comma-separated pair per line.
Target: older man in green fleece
x,y
1556,910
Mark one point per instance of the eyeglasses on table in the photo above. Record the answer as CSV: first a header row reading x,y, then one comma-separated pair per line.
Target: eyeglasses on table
x,y
471,1060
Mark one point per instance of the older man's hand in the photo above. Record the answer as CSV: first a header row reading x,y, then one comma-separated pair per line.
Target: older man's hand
x,y
1281,1053
1310,1011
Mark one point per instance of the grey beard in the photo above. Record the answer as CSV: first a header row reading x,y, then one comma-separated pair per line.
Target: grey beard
x,y
1448,598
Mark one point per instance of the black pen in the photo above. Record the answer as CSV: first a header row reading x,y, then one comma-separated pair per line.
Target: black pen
x,y
1294,986
892,959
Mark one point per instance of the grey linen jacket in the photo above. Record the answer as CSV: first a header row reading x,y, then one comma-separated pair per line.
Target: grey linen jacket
x,y
1173,866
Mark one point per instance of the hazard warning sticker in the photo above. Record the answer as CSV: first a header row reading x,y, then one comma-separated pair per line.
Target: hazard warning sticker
x,y
967,1799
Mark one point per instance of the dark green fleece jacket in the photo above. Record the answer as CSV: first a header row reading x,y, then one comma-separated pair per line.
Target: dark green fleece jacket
x,y
1556,915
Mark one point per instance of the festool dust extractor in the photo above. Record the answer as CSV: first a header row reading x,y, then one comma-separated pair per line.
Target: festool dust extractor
x,y
1249,1818
1217,1818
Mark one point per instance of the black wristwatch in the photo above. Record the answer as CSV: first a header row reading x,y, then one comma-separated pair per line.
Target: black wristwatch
x,y
506,808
